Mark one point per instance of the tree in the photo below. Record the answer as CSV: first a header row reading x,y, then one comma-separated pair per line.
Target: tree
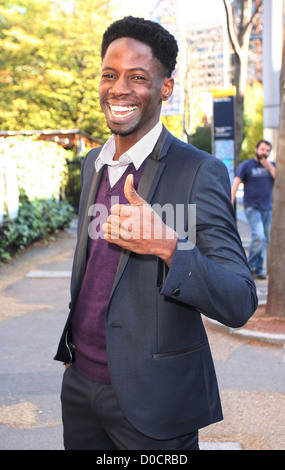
x,y
50,65
252,119
239,30
276,285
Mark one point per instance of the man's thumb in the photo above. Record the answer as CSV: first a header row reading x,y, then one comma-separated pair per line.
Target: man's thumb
x,y
130,192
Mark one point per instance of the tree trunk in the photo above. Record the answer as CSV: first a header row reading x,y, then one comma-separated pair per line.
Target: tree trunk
x,y
239,110
240,44
276,285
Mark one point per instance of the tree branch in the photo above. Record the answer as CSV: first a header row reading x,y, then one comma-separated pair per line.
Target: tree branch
x,y
231,31
251,21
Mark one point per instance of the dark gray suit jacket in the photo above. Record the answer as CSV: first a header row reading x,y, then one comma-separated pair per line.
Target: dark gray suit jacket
x,y
158,353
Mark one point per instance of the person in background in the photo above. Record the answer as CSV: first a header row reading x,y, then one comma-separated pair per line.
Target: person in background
x,y
257,175
142,376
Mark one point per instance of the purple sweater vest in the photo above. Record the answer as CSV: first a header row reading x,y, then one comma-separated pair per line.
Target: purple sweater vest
x,y
88,325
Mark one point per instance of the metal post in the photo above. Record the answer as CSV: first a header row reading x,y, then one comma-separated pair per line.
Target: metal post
x,y
272,61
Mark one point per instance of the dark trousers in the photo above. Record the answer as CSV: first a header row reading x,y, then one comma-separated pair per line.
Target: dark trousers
x,y
93,420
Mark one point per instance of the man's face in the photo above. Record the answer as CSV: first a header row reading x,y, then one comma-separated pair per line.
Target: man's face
x,y
132,88
263,151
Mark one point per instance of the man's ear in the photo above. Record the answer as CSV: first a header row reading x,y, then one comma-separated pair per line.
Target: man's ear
x,y
167,88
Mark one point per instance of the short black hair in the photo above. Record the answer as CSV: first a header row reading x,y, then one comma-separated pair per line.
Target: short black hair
x,y
262,141
162,43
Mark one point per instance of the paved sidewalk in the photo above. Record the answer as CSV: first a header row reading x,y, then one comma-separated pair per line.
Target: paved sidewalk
x,y
33,311
34,292
259,328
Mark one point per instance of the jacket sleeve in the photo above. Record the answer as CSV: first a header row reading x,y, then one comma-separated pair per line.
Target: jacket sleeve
x,y
211,274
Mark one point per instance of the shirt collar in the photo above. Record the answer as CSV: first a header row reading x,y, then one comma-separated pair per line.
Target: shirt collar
x,y
136,154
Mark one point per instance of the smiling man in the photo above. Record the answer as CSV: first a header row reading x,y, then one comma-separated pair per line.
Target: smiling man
x,y
141,374
131,91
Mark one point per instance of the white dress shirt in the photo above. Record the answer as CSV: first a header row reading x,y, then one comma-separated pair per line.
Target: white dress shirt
x,y
136,154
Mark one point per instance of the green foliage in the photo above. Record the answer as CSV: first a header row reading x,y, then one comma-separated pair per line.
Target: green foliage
x,y
202,139
50,65
173,124
36,221
41,172
253,119
73,182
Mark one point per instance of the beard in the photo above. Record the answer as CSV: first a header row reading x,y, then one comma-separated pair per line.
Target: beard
x,y
259,157
115,129
121,132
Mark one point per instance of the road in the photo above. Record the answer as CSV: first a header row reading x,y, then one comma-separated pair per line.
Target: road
x,y
34,290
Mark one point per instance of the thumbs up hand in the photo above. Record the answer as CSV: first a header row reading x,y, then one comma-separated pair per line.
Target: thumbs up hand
x,y
138,228
131,194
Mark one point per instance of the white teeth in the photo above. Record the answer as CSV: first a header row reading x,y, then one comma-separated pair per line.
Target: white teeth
x,y
122,109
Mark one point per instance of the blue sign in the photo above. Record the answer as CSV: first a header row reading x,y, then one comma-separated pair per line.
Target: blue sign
x,y
224,131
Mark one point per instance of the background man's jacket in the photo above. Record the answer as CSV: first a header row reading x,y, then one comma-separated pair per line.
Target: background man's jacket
x,y
158,353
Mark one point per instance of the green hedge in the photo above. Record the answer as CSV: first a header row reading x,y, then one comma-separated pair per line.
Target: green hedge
x,y
42,176
36,220
41,166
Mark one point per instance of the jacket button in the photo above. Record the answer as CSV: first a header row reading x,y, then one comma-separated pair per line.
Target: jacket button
x,y
176,292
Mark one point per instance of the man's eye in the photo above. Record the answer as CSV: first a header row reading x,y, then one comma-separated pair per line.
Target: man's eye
x,y
138,77
108,76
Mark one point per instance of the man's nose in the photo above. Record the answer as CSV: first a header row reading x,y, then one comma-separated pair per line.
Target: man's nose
x,y
121,86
